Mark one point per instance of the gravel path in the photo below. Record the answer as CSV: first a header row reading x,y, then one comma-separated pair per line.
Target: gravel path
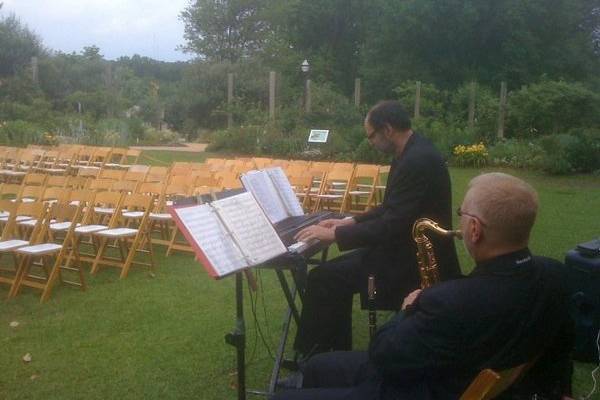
x,y
189,147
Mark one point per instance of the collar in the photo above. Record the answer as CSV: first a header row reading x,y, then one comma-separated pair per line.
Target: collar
x,y
408,143
506,264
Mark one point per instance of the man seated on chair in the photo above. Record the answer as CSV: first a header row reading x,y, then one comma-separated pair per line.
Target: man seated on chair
x,y
418,186
511,309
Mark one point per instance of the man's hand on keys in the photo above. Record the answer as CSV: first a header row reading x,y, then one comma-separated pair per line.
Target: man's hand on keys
x,y
332,223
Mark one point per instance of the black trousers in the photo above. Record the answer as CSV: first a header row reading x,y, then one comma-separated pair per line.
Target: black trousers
x,y
343,375
326,317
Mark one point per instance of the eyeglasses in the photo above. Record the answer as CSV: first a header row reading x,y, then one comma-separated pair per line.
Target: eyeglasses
x,y
371,135
460,213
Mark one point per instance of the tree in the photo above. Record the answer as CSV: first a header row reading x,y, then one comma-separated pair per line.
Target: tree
x,y
17,45
224,30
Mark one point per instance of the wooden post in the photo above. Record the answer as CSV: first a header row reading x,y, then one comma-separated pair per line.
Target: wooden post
x,y
34,69
307,98
272,81
229,99
357,92
418,100
502,110
472,91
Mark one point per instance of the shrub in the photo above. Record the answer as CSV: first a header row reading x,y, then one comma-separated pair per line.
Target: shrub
x,y
433,100
241,140
19,133
517,154
567,153
550,107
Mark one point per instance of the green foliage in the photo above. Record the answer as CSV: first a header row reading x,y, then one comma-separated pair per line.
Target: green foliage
x,y
242,140
551,107
20,133
568,153
517,153
17,45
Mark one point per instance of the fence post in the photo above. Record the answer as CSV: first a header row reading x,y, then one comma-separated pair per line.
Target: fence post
x,y
272,81
34,69
307,99
502,110
472,91
357,92
418,100
229,99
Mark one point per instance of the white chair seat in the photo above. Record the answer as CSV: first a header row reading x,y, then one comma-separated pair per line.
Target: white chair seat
x,y
359,193
330,196
160,216
18,219
27,200
112,165
90,228
118,232
7,245
29,222
61,226
104,210
4,214
133,214
39,249
55,170
381,187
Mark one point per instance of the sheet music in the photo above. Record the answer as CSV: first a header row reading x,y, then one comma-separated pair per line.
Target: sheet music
x,y
250,227
289,198
206,229
263,189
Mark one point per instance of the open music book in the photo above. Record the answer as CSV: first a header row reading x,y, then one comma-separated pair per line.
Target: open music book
x,y
273,192
229,235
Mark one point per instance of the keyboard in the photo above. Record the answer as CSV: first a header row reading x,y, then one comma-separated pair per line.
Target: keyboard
x,y
289,227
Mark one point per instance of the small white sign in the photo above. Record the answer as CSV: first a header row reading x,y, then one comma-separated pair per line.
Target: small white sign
x,y
318,136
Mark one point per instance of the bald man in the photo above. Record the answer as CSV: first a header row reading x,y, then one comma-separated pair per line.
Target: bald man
x,y
510,310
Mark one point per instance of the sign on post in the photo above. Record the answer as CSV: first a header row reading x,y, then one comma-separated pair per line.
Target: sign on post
x,y
318,136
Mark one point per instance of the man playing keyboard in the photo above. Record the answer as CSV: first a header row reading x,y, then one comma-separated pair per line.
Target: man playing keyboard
x,y
418,186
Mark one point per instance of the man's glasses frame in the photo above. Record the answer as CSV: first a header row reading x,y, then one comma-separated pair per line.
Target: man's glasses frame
x,y
460,213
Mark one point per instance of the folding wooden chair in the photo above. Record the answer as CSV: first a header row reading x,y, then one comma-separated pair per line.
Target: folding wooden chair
x,y
135,209
114,174
10,191
117,157
384,170
101,213
161,222
334,192
51,255
31,193
54,194
77,182
57,181
157,174
125,186
131,157
14,238
363,188
490,384
302,184
102,185
35,179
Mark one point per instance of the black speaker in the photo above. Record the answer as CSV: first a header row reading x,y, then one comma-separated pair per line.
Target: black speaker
x,y
583,276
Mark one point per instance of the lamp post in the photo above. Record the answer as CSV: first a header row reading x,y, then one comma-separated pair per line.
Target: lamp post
x,y
305,68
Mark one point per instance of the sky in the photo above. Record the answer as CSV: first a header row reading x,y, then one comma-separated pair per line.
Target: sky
x,y
149,28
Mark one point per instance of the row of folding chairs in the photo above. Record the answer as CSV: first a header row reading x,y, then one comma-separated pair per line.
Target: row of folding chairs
x,y
44,239
64,159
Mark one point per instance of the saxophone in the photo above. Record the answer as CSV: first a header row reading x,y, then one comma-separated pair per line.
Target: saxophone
x,y
428,266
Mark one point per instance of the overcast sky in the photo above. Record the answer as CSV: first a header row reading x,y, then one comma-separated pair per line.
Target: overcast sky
x,y
119,27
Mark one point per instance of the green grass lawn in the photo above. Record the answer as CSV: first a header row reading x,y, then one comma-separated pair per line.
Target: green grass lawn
x,y
161,337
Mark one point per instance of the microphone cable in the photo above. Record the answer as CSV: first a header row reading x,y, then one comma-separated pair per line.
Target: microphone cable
x,y
594,379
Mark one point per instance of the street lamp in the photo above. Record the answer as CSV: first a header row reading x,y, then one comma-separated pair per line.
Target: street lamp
x,y
305,68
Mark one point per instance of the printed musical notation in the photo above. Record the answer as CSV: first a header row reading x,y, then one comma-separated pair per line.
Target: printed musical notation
x,y
289,198
263,189
250,228
212,237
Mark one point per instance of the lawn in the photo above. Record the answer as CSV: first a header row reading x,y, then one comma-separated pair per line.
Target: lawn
x,y
161,336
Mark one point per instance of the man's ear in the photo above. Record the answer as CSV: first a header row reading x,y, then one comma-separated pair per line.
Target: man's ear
x,y
475,230
388,131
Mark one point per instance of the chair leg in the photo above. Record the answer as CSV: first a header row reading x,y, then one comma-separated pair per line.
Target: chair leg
x,y
101,249
22,270
54,274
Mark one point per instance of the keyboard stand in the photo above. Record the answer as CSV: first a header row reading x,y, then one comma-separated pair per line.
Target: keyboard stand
x,y
297,264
